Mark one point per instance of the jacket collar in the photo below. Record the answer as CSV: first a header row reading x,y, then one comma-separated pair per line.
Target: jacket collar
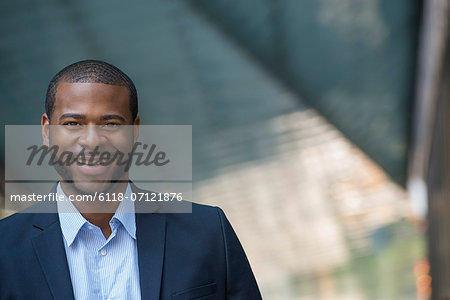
x,y
151,240
150,234
49,248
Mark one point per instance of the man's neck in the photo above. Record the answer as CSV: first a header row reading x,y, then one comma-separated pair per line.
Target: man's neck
x,y
96,212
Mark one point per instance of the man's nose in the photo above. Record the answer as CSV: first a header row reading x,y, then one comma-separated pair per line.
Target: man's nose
x,y
90,137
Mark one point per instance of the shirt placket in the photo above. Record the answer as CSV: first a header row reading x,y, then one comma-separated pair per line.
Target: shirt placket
x,y
106,263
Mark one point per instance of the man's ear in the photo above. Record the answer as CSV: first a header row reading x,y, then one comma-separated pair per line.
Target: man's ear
x,y
45,127
136,124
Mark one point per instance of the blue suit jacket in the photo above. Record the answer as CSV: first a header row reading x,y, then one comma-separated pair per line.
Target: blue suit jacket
x,y
181,256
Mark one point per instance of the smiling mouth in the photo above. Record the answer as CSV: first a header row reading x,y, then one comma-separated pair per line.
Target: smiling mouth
x,y
88,162
90,165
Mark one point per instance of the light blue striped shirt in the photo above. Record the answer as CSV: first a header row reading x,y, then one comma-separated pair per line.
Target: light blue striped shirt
x,y
101,268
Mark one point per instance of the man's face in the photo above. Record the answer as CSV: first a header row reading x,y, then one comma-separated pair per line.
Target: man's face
x,y
91,116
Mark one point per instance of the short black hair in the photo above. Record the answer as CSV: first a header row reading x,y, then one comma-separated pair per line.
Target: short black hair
x,y
91,71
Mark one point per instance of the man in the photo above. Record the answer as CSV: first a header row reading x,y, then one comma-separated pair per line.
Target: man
x,y
81,252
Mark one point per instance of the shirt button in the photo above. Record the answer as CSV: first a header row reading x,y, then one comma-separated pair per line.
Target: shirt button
x,y
103,252
90,227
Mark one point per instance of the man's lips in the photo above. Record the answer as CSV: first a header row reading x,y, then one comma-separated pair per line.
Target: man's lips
x,y
94,160
91,166
96,169
90,161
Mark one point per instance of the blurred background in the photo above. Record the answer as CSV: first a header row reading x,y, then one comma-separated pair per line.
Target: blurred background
x,y
319,126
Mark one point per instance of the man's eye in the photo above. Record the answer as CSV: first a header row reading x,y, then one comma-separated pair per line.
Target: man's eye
x,y
112,125
71,124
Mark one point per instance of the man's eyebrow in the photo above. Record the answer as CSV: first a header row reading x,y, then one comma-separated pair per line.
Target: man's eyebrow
x,y
73,116
112,117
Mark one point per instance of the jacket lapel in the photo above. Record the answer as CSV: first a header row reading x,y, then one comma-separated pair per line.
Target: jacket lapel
x,y
151,236
51,254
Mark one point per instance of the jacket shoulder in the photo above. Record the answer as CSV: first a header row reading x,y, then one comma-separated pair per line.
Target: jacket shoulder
x,y
16,220
200,214
17,228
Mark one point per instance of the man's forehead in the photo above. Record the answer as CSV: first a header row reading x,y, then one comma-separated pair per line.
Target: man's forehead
x,y
86,88
89,97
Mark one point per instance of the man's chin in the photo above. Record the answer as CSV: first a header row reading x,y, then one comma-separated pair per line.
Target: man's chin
x,y
92,187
